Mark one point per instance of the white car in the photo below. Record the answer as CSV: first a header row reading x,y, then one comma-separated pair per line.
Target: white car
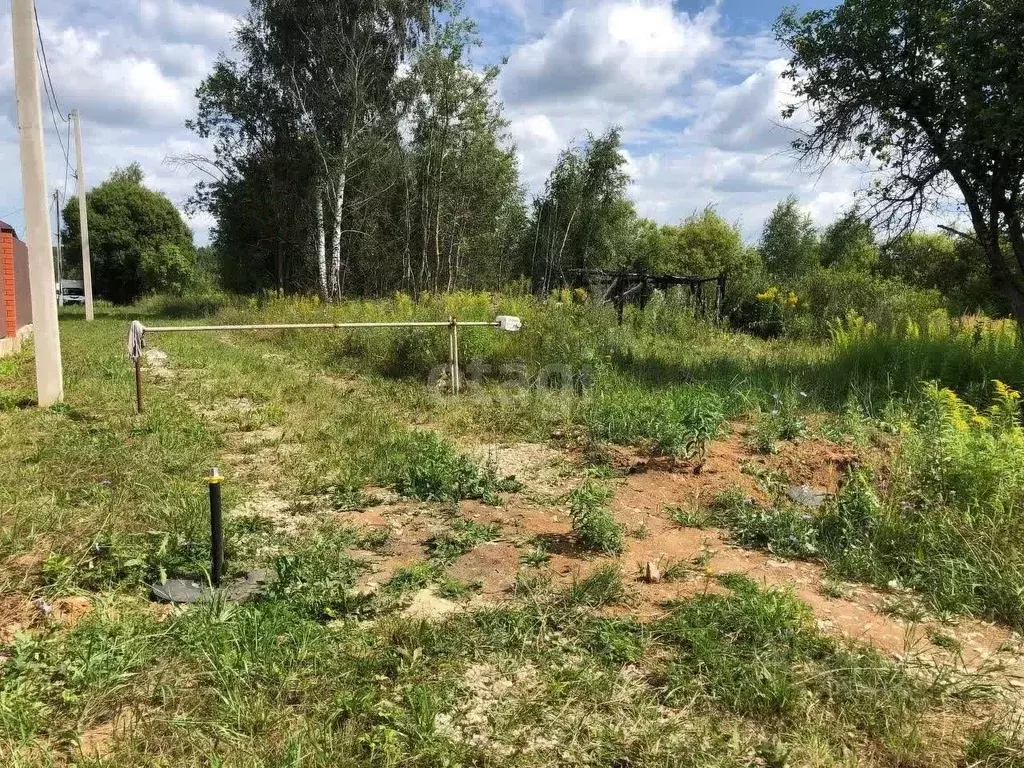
x,y
74,292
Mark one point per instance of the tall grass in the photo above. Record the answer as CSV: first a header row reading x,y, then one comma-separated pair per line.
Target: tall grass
x,y
948,522
964,354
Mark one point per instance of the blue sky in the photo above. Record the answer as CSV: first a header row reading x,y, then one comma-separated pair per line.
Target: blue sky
x,y
694,85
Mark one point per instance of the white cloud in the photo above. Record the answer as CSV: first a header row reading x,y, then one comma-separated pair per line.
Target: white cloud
x,y
132,73
115,88
601,63
747,116
701,111
620,52
190,22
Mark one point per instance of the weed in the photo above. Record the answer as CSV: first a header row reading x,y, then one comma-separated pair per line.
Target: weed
x,y
317,577
680,422
945,640
759,653
675,570
432,470
536,557
994,746
640,532
783,531
416,576
453,589
690,518
903,607
834,590
704,555
595,528
460,538
374,539
602,587
781,422
348,496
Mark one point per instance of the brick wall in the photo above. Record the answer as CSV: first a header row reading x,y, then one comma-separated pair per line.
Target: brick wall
x,y
22,285
8,287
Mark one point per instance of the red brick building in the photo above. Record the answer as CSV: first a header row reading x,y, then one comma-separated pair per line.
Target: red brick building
x,y
15,298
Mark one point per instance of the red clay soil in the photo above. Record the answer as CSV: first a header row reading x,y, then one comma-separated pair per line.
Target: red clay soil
x,y
652,486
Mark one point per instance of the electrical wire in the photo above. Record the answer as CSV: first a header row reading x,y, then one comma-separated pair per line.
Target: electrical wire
x,y
52,102
46,63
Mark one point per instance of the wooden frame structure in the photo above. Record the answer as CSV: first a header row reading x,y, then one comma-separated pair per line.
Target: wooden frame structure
x,y
623,286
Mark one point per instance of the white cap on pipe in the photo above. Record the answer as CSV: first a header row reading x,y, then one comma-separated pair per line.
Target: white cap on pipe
x,y
509,323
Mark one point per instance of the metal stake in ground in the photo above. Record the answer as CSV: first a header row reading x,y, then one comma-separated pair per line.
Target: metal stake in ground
x,y
214,480
194,590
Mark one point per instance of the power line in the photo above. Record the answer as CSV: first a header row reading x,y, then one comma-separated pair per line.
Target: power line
x,y
51,99
46,64
53,117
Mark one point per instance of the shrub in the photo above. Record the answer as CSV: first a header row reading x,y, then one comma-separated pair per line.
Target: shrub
x,y
592,520
430,469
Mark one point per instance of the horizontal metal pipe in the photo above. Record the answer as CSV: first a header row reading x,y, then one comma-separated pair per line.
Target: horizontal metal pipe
x,y
310,326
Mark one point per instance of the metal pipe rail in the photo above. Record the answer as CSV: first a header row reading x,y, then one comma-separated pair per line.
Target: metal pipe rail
x,y
137,336
316,326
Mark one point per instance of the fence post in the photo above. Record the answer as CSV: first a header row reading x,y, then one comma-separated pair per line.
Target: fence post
x,y
620,301
720,298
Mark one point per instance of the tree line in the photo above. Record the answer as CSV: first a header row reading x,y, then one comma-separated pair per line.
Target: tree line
x,y
357,150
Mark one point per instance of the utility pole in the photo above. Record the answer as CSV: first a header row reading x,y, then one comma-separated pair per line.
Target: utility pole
x,y
83,217
49,369
60,251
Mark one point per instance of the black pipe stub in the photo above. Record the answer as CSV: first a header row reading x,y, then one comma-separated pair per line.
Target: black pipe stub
x,y
204,591
187,591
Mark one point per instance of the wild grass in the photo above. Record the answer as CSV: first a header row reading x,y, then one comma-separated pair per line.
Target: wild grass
x,y
430,469
758,653
947,523
97,501
676,422
593,524
461,537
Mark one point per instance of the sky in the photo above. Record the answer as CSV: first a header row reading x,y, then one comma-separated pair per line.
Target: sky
x,y
694,84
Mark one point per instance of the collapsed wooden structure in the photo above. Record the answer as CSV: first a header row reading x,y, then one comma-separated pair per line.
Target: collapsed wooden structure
x,y
637,287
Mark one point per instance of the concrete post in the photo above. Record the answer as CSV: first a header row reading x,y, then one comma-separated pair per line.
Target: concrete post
x,y
83,217
49,368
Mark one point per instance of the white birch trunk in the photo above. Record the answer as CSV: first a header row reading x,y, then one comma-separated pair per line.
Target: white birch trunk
x,y
321,243
339,210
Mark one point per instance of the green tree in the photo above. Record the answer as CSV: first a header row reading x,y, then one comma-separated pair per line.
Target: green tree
x,y
931,91
468,207
138,241
705,245
789,242
849,244
357,150
580,217
950,265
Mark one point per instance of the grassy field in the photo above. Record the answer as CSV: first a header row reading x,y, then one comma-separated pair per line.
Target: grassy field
x,y
590,558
